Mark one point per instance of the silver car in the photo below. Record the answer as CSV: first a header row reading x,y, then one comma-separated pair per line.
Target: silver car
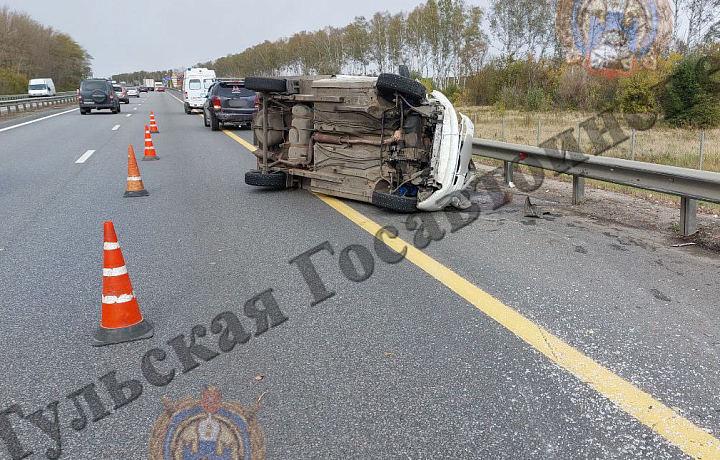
x,y
133,91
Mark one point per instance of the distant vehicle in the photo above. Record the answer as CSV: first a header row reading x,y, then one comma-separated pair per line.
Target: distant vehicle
x,y
161,89
41,87
121,93
229,102
149,83
143,89
196,82
133,91
159,84
97,94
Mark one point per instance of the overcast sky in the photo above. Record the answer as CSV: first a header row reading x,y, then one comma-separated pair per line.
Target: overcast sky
x,y
157,35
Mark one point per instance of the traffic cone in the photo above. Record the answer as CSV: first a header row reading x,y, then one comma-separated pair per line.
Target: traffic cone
x,y
135,185
153,125
149,147
121,318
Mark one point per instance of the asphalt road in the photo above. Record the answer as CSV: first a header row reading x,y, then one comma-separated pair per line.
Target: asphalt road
x,y
401,365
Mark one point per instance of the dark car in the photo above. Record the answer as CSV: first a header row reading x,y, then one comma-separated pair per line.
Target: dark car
x,y
121,93
228,101
97,94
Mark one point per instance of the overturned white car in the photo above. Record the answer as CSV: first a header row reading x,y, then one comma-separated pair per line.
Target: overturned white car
x,y
381,140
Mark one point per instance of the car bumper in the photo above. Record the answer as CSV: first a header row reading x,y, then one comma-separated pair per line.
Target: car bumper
x,y
452,157
98,106
234,117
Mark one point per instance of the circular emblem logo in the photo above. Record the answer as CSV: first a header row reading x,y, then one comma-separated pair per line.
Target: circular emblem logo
x,y
209,429
614,37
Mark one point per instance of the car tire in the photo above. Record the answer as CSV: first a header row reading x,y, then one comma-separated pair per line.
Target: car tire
x,y
395,203
205,120
119,109
83,112
214,123
389,83
276,180
266,84
187,108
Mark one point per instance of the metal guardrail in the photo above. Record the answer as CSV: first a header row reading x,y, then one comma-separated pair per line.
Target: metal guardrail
x,y
29,103
12,97
689,184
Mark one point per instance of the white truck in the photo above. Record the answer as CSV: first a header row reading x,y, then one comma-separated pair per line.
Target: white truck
x,y
41,87
149,83
196,82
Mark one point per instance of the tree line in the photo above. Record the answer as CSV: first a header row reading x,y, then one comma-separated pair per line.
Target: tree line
x,y
29,49
445,45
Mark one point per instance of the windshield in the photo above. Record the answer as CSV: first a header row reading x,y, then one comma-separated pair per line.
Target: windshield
x,y
93,85
194,84
234,91
117,89
37,87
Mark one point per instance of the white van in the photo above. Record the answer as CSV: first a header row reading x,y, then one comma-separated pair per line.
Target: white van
x,y
196,82
41,87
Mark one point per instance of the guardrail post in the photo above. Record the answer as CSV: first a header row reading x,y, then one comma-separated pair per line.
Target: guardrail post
x,y
688,216
632,145
579,137
538,133
578,190
508,171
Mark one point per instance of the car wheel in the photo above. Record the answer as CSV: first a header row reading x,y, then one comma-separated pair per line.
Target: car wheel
x,y
214,123
187,108
83,112
114,110
276,180
389,83
205,120
119,109
394,202
266,84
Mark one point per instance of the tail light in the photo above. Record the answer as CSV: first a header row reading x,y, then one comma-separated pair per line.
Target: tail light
x,y
257,102
185,94
112,96
216,103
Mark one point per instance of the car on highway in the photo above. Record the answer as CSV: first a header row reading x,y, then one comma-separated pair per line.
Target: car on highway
x,y
381,140
196,82
160,89
41,87
143,89
133,91
121,93
229,102
97,94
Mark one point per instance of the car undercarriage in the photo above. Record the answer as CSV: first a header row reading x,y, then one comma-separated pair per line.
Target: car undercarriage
x,y
381,140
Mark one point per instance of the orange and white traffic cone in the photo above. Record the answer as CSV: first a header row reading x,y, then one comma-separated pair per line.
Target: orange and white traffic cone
x,y
153,126
149,147
135,185
121,317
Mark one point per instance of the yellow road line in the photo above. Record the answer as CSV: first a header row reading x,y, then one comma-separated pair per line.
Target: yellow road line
x,y
239,139
672,426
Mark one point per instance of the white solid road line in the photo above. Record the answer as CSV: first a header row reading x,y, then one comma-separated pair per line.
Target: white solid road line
x,y
115,128
39,119
85,156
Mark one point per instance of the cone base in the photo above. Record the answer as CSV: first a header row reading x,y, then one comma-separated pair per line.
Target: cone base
x,y
150,158
154,132
135,193
141,330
